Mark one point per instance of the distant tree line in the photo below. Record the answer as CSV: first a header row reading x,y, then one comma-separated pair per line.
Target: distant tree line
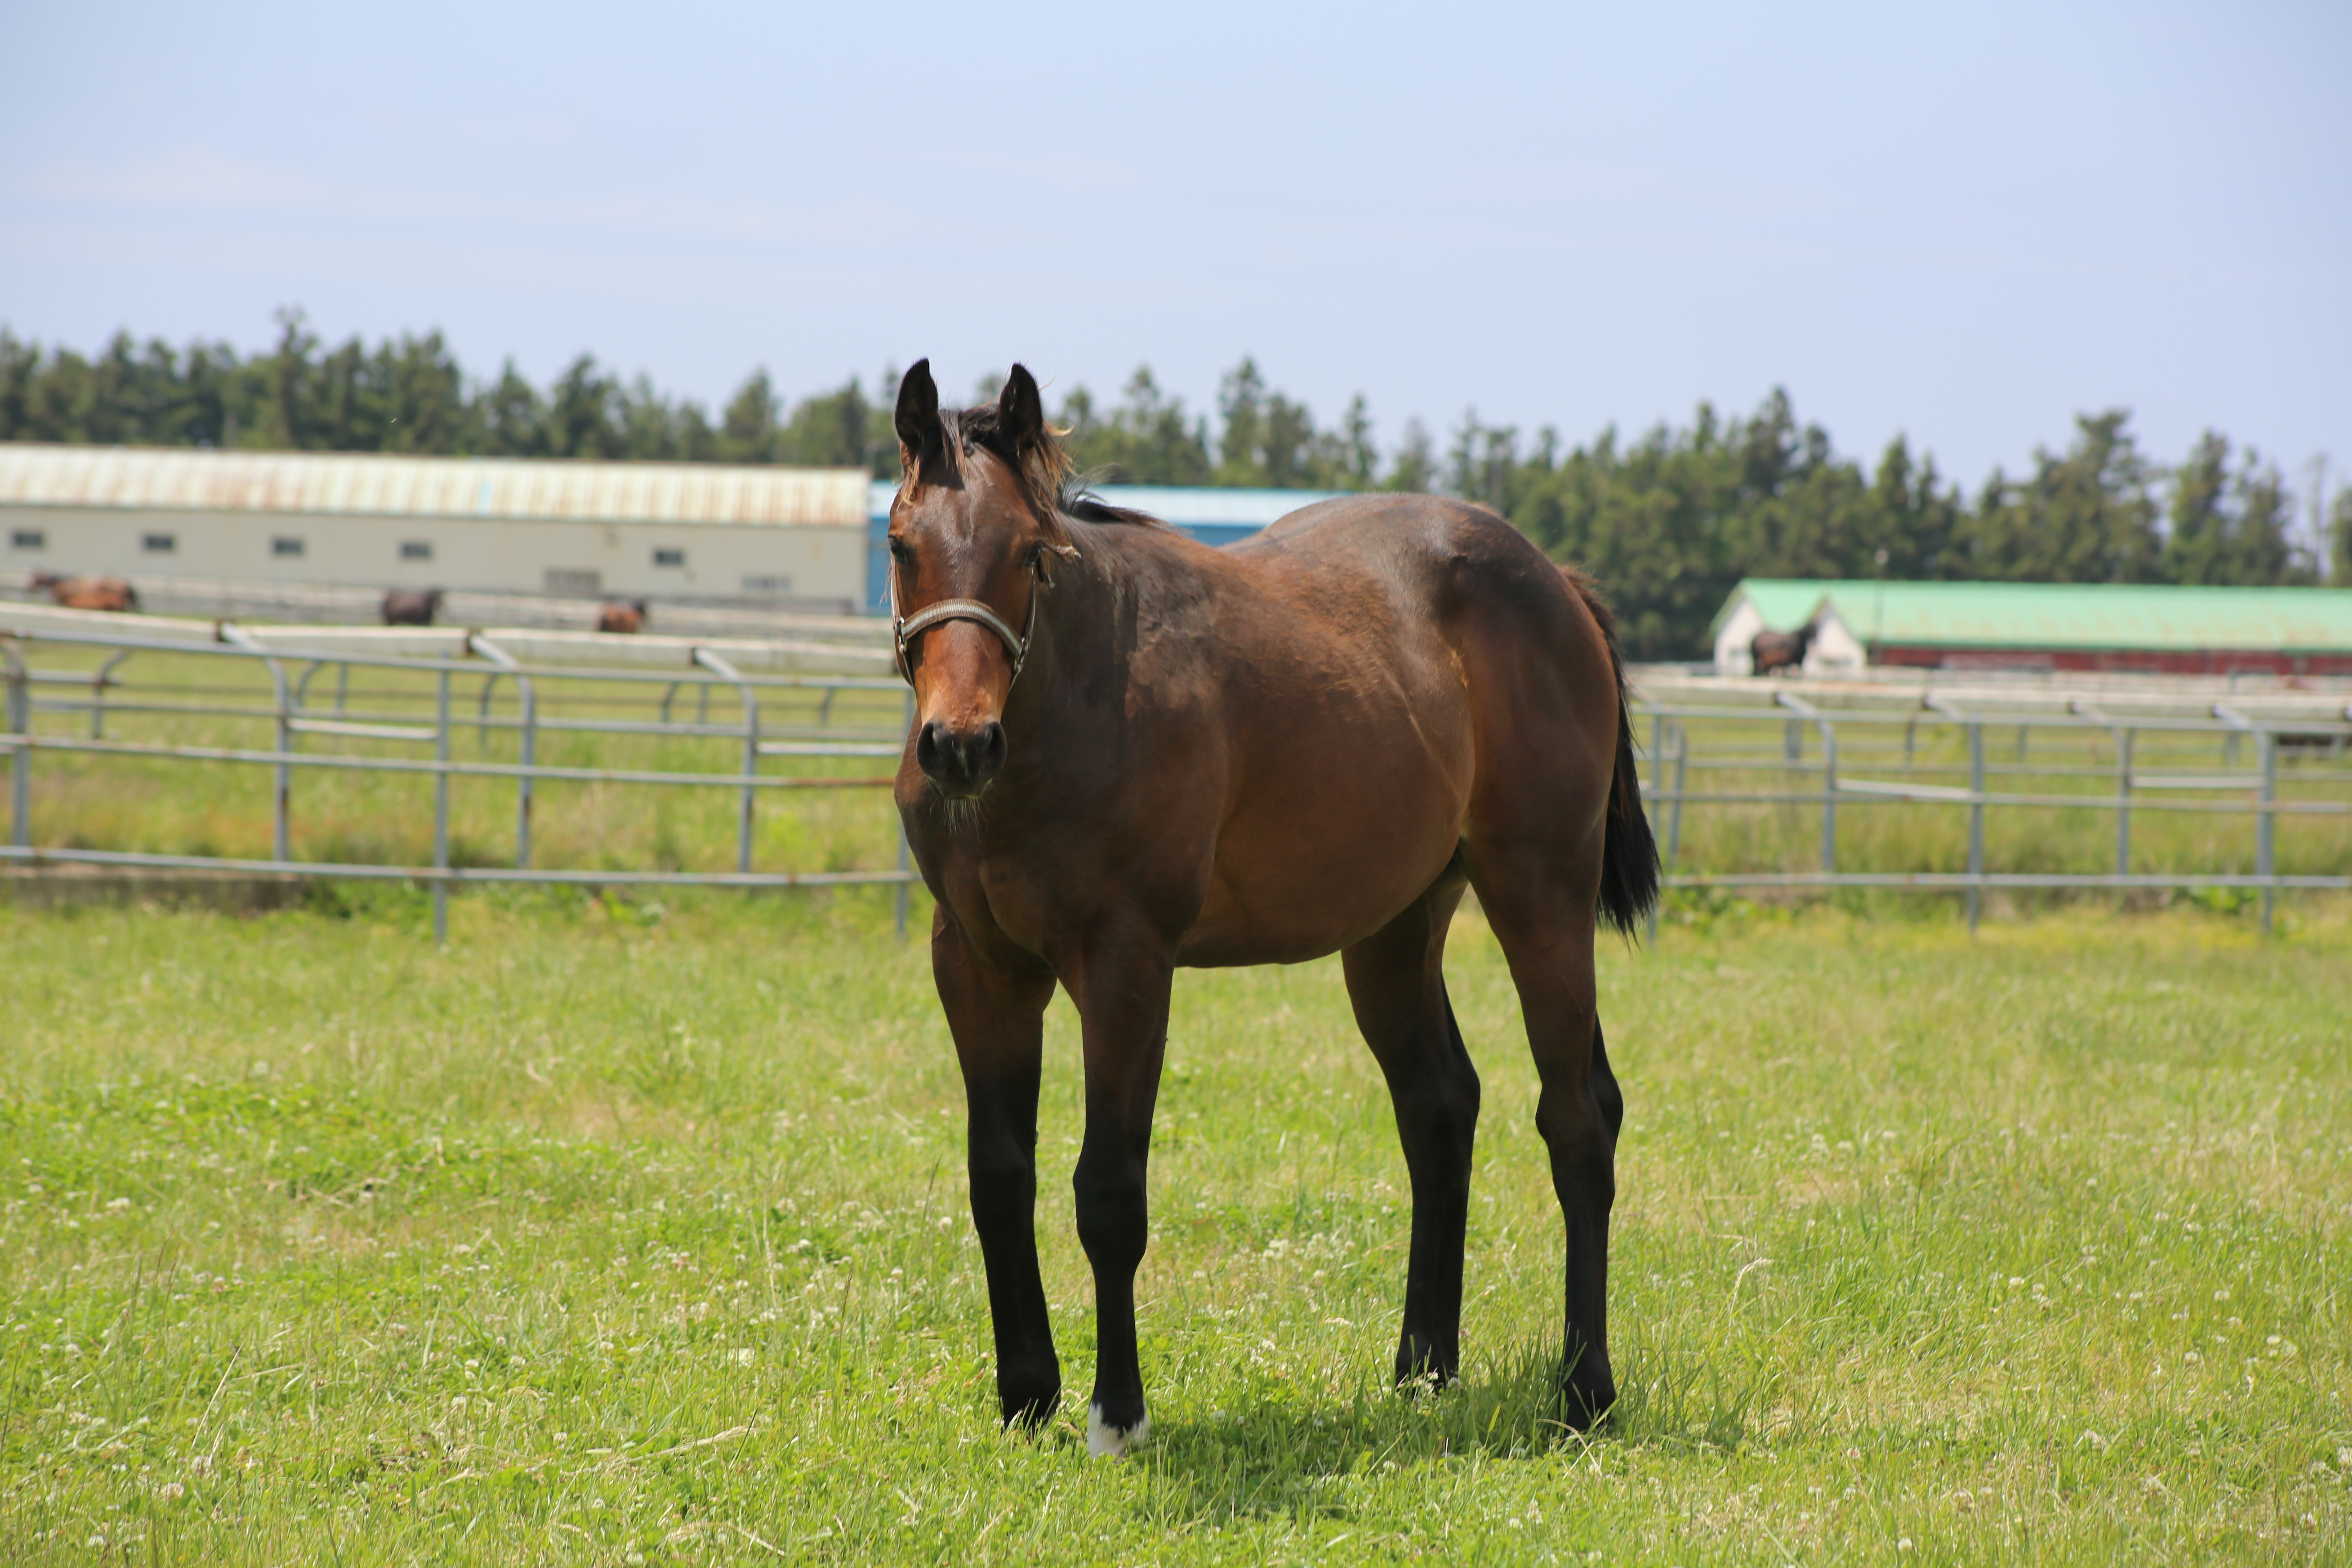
x,y
1668,521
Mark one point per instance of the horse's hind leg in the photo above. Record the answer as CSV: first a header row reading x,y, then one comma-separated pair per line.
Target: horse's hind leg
x,y
1545,925
1395,983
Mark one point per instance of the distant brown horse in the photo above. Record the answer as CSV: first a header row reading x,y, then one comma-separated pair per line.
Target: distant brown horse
x,y
626,618
1770,651
1132,752
407,607
87,593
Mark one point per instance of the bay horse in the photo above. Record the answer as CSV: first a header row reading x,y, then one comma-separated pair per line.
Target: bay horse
x,y
1131,751
111,593
411,607
621,616
1771,651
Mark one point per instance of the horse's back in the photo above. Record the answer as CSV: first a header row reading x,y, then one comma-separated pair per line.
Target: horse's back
x,y
1437,559
1416,576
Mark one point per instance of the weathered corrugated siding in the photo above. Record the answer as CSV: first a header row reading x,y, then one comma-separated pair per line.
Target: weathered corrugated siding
x,y
328,484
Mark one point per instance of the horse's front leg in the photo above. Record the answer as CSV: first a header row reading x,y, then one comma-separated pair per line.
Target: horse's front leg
x,y
997,1018
1121,989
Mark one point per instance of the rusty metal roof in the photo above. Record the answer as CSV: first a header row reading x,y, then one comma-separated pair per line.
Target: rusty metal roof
x,y
2050,615
510,488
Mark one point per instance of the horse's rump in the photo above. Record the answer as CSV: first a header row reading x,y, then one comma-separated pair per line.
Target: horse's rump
x,y
1388,669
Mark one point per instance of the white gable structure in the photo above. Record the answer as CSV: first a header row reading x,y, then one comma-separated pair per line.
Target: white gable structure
x,y
778,538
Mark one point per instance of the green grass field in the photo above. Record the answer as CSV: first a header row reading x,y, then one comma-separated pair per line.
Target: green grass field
x,y
625,1231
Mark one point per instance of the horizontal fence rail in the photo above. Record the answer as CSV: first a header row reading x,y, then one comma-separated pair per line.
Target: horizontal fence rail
x,y
835,675
2173,751
1730,718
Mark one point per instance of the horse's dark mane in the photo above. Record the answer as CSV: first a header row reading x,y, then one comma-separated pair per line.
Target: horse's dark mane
x,y
1049,480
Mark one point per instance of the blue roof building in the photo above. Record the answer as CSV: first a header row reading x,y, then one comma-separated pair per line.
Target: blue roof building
x,y
1216,517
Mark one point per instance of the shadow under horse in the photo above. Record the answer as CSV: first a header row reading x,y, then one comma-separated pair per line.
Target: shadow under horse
x,y
1133,753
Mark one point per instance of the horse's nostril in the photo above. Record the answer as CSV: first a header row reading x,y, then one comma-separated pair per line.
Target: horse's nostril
x,y
928,748
990,751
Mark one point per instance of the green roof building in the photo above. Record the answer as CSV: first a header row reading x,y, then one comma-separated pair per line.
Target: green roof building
x,y
2042,626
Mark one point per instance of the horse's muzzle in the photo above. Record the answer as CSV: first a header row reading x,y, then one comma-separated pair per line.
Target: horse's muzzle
x,y
960,761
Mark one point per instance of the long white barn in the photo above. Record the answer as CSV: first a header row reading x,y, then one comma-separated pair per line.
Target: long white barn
x,y
775,538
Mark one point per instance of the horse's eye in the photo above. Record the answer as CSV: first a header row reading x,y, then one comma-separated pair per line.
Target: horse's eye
x,y
900,552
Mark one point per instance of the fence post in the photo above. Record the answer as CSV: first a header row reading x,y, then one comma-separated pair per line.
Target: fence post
x,y
1976,822
282,827
2124,739
1805,710
441,806
506,661
2266,825
1674,808
482,710
20,756
1829,799
98,685
712,662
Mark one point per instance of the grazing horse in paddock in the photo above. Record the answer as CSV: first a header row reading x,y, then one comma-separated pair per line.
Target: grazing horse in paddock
x,y
624,618
87,593
1132,752
407,607
1770,651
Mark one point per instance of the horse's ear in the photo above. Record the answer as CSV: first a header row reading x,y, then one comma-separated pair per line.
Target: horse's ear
x,y
1021,411
919,414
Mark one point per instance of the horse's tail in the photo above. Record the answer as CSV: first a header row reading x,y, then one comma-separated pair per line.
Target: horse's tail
x,y
1629,855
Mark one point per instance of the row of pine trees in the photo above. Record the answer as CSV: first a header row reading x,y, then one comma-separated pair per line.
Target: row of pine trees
x,y
1669,520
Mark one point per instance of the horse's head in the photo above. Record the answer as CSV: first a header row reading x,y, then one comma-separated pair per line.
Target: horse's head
x,y
974,531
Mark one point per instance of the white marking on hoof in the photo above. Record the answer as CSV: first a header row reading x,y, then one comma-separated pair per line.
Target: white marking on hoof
x,y
1114,1442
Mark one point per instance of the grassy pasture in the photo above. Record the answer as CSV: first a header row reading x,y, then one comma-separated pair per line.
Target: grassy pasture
x,y
636,1231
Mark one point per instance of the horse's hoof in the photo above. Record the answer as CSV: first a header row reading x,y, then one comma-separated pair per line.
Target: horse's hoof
x,y
1107,1442
1030,1410
1587,1403
1423,1368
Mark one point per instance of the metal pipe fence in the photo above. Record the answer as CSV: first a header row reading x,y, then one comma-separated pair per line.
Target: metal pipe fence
x,y
595,693
1737,725
1714,746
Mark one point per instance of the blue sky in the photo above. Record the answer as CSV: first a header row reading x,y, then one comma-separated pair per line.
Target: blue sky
x,y
1962,222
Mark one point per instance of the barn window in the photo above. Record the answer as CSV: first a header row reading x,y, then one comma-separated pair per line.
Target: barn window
x,y
416,550
669,557
570,580
159,544
28,539
286,544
